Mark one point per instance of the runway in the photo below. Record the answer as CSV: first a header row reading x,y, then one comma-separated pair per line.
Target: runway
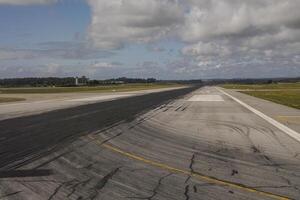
x,y
185,144
41,103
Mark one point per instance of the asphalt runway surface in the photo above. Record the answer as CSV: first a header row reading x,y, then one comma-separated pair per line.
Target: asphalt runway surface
x,y
41,103
186,144
26,138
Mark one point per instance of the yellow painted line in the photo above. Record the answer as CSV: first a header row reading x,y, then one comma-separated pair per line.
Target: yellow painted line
x,y
192,174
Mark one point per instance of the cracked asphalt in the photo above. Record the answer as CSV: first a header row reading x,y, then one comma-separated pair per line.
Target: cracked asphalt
x,y
173,149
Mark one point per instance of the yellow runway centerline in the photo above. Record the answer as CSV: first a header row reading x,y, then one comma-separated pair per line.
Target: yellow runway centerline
x,y
192,174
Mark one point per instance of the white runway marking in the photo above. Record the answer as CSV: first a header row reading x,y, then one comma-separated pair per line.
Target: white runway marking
x,y
206,98
280,126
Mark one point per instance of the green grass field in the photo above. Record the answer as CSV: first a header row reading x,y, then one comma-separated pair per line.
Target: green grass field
x,y
283,93
108,88
278,86
8,99
288,98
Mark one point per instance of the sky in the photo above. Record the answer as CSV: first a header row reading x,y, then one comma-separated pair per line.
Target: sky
x,y
164,39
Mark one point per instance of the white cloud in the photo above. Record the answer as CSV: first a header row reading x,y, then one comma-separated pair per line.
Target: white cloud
x,y
117,22
99,65
210,28
55,50
26,2
238,18
53,68
16,54
218,34
209,49
234,34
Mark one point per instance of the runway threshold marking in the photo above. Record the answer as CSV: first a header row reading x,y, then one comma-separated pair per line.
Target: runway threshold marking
x,y
186,172
272,121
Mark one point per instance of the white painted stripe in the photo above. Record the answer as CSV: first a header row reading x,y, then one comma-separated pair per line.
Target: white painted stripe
x,y
280,126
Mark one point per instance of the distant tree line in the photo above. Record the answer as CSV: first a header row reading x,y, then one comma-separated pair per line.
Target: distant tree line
x,y
192,81
71,81
37,82
67,81
121,80
253,81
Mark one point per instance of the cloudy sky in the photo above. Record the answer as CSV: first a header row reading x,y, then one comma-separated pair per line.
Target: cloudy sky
x,y
165,39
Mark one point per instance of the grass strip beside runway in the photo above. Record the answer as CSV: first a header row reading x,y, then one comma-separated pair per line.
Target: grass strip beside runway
x,y
104,88
282,93
288,97
10,99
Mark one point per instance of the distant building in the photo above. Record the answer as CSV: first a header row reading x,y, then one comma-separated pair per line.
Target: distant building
x,y
117,82
81,81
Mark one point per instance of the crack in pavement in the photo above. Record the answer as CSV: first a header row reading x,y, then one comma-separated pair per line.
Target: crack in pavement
x,y
158,185
197,175
89,166
9,194
187,187
155,190
192,163
102,183
57,189
290,183
106,178
186,192
74,187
